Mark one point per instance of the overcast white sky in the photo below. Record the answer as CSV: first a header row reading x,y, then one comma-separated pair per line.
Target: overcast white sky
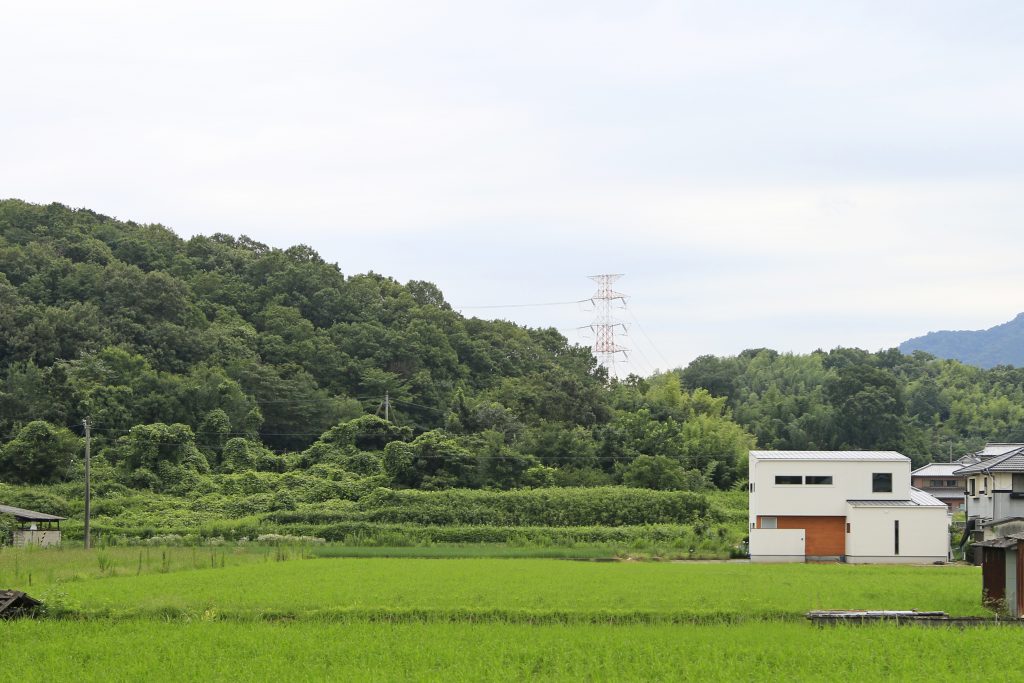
x,y
785,174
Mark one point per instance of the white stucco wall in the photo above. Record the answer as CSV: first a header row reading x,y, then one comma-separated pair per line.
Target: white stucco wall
x,y
851,480
777,545
924,534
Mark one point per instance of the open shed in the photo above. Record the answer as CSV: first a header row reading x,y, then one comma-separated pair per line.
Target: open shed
x,y
34,528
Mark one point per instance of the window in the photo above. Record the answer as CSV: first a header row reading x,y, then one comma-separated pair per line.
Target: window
x,y
896,535
847,527
812,480
881,482
984,485
935,483
769,522
1018,483
952,483
751,487
971,483
788,480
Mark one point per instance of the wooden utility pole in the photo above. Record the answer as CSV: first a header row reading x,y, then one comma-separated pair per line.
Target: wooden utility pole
x,y
88,492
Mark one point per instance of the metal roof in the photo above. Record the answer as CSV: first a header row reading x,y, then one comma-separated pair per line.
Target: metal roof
x,y
918,498
1010,461
882,503
28,515
891,456
992,449
937,469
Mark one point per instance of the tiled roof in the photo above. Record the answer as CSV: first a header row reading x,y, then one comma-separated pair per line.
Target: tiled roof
x,y
1011,461
830,455
937,469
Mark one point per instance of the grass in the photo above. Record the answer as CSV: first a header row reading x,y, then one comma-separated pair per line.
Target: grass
x,y
305,651
534,590
34,567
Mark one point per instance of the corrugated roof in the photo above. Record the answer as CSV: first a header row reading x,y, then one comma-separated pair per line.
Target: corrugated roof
x,y
29,515
830,455
918,498
937,469
1011,461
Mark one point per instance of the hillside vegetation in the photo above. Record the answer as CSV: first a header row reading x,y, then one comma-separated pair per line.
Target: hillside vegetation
x,y
999,345
235,384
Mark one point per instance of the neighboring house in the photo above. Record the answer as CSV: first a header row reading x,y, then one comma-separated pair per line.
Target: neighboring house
x,y
937,479
34,528
994,485
854,506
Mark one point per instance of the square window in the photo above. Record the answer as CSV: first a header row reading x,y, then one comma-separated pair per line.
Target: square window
x,y
818,480
769,522
881,482
788,480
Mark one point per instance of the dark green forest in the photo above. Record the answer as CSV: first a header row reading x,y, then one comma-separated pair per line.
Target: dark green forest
x,y
217,363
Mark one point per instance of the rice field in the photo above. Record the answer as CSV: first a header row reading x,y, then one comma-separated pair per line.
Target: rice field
x,y
529,589
311,651
495,619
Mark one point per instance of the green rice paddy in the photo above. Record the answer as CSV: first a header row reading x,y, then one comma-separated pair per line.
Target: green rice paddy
x,y
257,618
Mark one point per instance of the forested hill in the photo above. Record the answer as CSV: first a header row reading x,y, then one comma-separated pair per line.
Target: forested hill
x,y
999,345
131,324
220,368
215,355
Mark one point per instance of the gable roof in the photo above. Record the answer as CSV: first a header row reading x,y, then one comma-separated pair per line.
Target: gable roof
x,y
877,456
22,514
937,469
1010,461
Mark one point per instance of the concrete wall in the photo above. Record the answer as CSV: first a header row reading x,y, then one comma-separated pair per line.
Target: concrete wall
x,y
42,538
776,545
924,534
851,480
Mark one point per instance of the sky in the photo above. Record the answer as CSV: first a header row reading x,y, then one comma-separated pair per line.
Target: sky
x,y
793,175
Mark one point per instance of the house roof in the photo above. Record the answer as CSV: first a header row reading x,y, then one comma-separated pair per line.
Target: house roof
x,y
937,469
918,498
1010,461
890,456
22,514
992,449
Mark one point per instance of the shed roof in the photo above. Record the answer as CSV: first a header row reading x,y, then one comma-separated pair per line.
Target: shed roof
x,y
918,498
891,456
992,449
937,469
1010,461
24,515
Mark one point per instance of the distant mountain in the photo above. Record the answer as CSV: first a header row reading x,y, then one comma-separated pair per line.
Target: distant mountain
x,y
999,345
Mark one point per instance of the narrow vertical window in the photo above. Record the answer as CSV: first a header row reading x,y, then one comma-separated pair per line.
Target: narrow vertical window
x,y
971,484
896,534
847,527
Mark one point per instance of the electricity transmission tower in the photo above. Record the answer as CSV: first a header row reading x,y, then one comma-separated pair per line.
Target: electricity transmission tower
x,y
606,349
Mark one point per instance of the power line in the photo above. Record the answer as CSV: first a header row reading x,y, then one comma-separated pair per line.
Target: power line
x,y
649,340
536,305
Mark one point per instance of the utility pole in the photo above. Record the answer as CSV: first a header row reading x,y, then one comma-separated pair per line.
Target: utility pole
x,y
605,347
386,405
88,492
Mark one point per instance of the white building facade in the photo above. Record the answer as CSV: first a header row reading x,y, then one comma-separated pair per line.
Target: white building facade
x,y
852,506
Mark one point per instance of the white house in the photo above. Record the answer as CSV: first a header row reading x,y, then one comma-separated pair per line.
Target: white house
x,y
855,506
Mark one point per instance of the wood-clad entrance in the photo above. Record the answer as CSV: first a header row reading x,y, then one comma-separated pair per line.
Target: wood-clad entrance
x,y
823,536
